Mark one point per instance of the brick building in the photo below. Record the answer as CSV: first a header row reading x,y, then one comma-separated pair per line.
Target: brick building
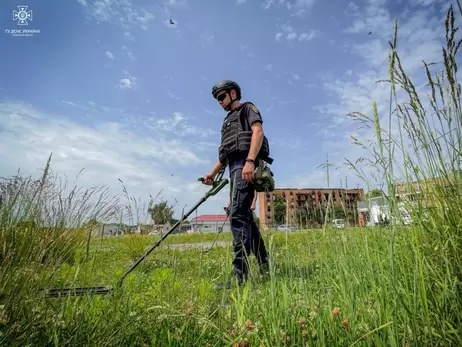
x,y
428,191
294,198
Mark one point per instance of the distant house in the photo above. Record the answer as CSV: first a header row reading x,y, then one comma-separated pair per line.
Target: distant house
x,y
210,223
109,230
376,211
373,211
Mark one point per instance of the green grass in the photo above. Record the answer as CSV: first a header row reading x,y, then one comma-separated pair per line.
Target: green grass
x,y
387,286
170,300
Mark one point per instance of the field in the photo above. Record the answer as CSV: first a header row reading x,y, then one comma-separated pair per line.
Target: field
x,y
325,288
382,286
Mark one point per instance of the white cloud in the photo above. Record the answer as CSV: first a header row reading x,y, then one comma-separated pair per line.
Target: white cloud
x,y
297,7
304,3
109,55
244,48
93,108
306,36
239,2
147,163
129,53
172,95
129,82
83,3
176,3
119,12
267,4
178,124
128,35
126,83
291,36
352,9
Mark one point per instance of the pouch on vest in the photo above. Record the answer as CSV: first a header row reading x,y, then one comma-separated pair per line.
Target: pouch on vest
x,y
264,178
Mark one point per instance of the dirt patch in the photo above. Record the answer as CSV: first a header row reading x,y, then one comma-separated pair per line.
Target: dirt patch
x,y
198,245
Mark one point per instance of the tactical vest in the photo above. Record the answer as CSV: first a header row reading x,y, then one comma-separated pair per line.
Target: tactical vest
x,y
236,136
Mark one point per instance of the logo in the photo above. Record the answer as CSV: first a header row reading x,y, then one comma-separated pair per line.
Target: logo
x,y
22,16
254,108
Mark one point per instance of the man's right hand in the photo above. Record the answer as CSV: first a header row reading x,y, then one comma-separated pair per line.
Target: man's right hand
x,y
208,179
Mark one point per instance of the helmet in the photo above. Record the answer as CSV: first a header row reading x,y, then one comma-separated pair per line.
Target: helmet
x,y
226,85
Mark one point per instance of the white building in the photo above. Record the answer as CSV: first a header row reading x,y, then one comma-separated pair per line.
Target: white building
x,y
210,223
376,211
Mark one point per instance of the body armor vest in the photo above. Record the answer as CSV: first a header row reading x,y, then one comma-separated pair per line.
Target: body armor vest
x,y
236,135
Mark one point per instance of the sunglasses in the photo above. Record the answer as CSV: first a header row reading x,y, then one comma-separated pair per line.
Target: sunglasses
x,y
221,97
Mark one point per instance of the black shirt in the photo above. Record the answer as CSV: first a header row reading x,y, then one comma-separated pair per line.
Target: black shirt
x,y
252,114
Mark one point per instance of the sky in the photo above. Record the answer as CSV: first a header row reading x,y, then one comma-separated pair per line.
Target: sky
x,y
112,88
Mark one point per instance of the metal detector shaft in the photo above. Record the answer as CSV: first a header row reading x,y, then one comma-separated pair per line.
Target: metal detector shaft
x,y
217,186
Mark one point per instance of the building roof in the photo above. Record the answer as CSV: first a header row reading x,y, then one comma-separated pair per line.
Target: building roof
x,y
210,218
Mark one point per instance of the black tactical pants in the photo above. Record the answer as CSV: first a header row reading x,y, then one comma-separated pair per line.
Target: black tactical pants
x,y
246,234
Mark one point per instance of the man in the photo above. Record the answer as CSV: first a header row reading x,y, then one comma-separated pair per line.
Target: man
x,y
240,150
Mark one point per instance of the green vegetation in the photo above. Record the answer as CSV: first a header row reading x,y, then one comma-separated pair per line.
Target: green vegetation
x,y
393,286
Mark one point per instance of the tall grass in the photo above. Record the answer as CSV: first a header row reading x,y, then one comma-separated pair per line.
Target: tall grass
x,y
383,286
42,226
427,150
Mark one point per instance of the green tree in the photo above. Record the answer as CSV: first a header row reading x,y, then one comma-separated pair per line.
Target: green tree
x,y
339,212
256,219
279,208
161,213
374,193
93,223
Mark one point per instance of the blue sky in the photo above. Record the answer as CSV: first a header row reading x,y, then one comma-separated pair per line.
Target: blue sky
x,y
112,87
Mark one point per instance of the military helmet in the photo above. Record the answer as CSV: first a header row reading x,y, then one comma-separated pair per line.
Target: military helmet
x,y
226,85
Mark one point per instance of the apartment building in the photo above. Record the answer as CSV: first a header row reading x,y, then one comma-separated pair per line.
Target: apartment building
x,y
427,191
295,198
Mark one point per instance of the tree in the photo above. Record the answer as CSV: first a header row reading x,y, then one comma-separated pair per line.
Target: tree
x,y
374,193
161,213
279,208
339,212
256,219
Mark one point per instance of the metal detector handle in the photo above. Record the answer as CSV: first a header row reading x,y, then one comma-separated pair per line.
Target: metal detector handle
x,y
217,184
221,184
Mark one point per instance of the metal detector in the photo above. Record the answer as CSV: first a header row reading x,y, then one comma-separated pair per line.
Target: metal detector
x,y
220,230
217,184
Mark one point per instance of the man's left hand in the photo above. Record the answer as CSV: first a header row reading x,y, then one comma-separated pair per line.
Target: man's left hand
x,y
248,171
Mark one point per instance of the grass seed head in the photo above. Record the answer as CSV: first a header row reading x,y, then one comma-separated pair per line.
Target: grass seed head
x,y
335,312
242,343
249,325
